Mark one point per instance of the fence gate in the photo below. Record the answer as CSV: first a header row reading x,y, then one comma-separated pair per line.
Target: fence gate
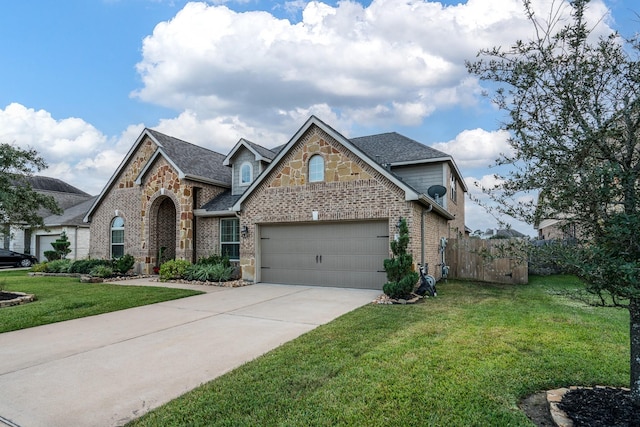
x,y
494,260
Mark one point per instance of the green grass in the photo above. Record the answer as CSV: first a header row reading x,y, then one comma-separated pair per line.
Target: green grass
x,y
65,298
465,358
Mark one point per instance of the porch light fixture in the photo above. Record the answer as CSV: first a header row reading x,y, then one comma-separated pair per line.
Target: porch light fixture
x,y
399,223
244,231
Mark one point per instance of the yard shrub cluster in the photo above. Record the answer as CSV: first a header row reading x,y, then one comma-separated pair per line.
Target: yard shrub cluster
x,y
93,267
173,269
215,268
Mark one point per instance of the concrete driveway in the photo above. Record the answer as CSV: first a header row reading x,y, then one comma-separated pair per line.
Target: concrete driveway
x,y
108,369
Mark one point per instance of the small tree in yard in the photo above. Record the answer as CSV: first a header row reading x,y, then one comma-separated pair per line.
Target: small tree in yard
x,y
573,107
400,275
19,202
60,248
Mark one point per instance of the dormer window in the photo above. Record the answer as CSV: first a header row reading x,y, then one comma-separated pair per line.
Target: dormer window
x,y
316,168
246,173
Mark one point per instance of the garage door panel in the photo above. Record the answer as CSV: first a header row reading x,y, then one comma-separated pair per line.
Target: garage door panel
x,y
347,254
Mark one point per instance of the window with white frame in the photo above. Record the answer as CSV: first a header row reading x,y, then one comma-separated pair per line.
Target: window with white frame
x,y
230,238
453,183
316,168
246,173
117,237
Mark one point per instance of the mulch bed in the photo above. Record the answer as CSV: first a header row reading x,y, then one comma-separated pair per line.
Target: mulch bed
x,y
5,296
600,407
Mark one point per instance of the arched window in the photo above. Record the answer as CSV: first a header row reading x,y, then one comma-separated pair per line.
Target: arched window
x,y
117,237
316,168
246,173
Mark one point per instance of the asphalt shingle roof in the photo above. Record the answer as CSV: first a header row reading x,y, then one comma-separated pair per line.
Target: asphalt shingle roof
x,y
264,152
192,159
395,148
72,215
221,202
45,183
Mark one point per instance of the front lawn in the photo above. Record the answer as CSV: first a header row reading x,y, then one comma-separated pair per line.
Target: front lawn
x,y
65,298
465,358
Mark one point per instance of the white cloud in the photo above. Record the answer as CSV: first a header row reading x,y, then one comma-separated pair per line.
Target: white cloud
x,y
57,140
218,134
476,148
478,217
64,144
395,61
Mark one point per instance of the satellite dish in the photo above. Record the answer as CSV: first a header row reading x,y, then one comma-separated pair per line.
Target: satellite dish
x,y
436,191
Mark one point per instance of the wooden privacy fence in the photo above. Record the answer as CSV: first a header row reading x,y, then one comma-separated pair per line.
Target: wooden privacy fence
x,y
498,261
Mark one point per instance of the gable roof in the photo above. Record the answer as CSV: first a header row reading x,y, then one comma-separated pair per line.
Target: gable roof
x,y
394,149
190,161
65,195
410,193
71,216
45,183
260,153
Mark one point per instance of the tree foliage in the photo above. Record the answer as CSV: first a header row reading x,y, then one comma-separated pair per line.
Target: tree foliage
x,y
573,104
19,203
400,275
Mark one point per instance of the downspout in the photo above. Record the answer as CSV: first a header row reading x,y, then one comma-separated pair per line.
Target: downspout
x,y
194,234
75,244
422,236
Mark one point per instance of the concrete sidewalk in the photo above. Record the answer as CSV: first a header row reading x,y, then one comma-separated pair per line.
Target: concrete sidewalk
x,y
108,369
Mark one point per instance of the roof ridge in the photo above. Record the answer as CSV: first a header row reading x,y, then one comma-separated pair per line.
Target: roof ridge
x,y
153,131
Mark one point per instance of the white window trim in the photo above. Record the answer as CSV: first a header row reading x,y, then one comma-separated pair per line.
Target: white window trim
x,y
243,183
111,230
453,183
323,167
229,242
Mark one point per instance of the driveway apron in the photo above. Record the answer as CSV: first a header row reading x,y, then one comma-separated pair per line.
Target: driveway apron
x,y
108,369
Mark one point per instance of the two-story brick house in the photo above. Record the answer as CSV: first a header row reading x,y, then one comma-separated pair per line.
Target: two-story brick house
x,y
319,210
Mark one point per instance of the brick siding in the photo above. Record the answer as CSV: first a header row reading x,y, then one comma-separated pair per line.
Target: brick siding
x,y
149,219
352,191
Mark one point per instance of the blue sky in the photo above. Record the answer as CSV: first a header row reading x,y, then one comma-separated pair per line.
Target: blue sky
x,y
82,78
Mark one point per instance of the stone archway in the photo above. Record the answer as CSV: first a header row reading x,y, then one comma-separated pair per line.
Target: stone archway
x,y
163,229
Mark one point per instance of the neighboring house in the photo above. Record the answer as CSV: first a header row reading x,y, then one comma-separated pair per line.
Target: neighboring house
x,y
74,203
319,210
556,229
497,233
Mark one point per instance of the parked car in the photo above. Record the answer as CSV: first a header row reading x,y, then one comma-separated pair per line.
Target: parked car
x,y
16,259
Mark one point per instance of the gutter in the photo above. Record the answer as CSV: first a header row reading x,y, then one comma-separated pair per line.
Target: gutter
x,y
427,201
203,213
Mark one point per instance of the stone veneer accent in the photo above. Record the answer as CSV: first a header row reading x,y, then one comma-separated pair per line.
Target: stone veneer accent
x,y
139,206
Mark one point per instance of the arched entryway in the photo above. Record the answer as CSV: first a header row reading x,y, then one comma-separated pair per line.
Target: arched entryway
x,y
163,230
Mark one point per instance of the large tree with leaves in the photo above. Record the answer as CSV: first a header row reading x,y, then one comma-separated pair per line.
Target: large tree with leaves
x,y
19,202
573,112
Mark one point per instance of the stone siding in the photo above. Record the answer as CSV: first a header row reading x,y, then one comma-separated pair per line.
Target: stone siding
x,y
139,206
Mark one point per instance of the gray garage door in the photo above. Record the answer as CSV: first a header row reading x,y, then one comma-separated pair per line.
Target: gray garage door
x,y
44,244
347,254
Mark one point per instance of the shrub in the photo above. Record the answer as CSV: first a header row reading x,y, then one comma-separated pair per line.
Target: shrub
x,y
215,259
58,266
84,266
51,255
399,268
101,271
123,264
209,272
173,269
62,246
39,268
